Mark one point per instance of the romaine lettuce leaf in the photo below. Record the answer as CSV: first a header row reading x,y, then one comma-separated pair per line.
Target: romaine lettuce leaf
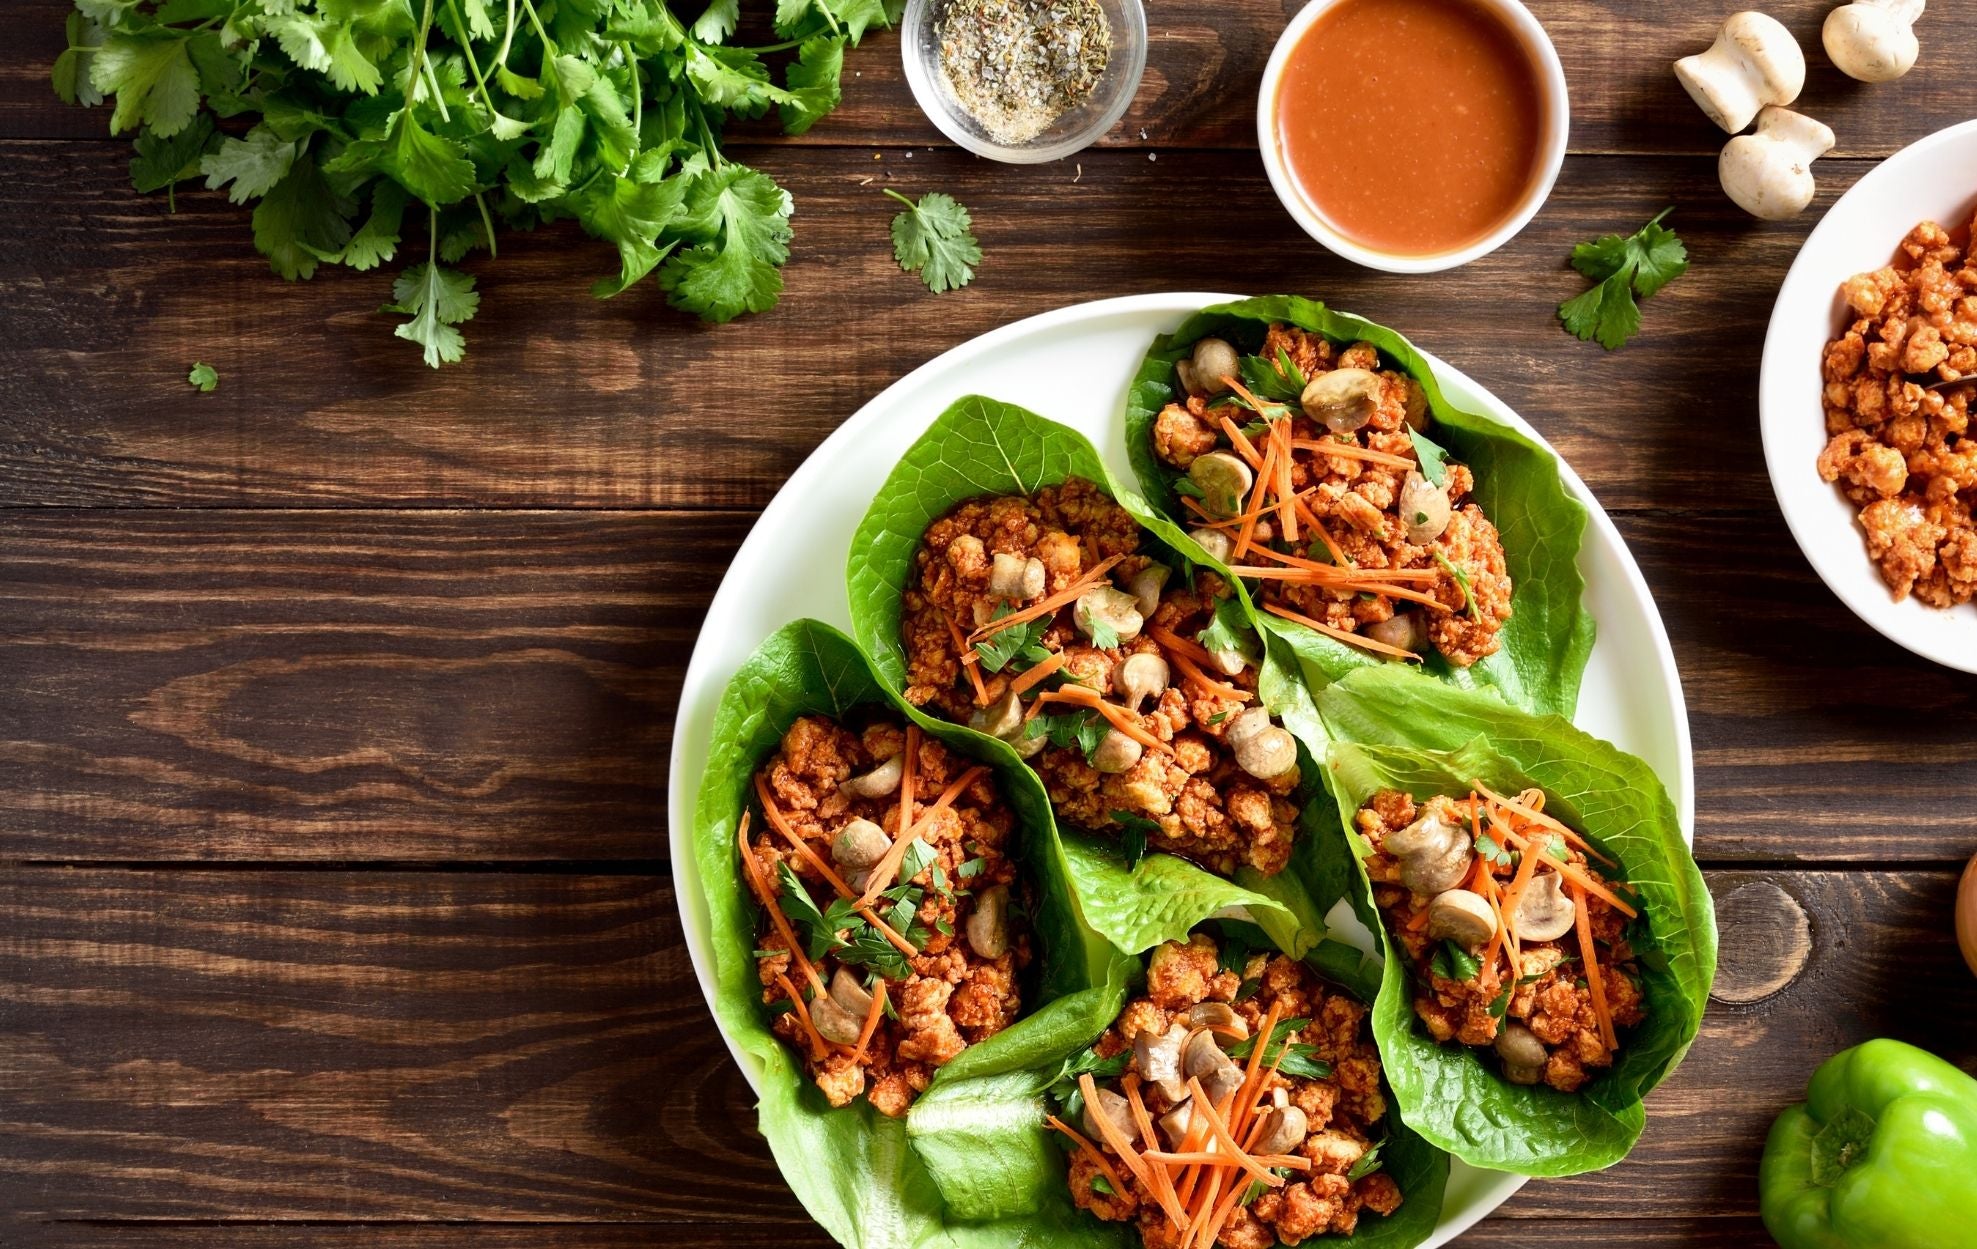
x,y
1549,635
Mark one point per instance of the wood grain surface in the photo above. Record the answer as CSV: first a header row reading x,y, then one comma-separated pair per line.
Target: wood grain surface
x,y
335,706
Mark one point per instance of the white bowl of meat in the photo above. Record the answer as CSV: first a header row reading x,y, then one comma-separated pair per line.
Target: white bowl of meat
x,y
1869,377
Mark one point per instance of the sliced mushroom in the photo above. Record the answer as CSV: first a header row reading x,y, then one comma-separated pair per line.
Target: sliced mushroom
x,y
1003,719
1146,585
1218,545
1284,1129
1117,1111
1141,677
850,995
1217,1015
1175,1123
834,1023
1344,399
1116,752
1522,1053
1224,481
1404,629
1016,578
1202,373
988,925
880,781
1205,1061
859,844
1267,755
1544,913
1434,854
1158,1057
1424,509
1111,607
1462,917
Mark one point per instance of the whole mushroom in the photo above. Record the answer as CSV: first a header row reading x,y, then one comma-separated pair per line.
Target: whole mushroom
x,y
1544,913
1141,677
1434,852
834,1022
1146,586
1343,399
1522,1053
1116,752
860,843
1284,1126
1424,509
1462,917
1873,40
1205,369
1769,173
1261,748
1754,62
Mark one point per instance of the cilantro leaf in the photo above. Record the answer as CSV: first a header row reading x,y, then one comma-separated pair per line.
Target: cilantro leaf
x,y
742,218
1000,648
300,218
437,300
632,215
1625,269
162,162
1434,460
1228,631
253,164
152,78
931,238
70,76
1277,379
1452,962
430,166
204,377
1134,829
814,83
717,21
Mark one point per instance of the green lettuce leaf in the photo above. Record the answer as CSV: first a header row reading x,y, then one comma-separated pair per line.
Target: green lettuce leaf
x,y
980,446
1549,635
854,1169
1398,729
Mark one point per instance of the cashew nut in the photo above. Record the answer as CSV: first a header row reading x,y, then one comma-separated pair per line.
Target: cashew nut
x,y
1109,606
1873,40
1522,1053
1141,677
1462,917
1434,852
1116,752
1424,509
880,781
1344,399
1754,62
1202,372
860,843
1769,173
1544,913
988,925
1017,579
1224,481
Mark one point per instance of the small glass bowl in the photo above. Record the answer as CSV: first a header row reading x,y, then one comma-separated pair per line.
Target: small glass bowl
x,y
1073,132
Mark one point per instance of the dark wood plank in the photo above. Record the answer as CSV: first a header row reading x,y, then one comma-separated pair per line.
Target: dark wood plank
x,y
568,401
1205,63
224,1045
334,685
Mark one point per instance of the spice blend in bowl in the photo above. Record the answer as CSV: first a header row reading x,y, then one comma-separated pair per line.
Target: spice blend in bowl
x,y
1017,66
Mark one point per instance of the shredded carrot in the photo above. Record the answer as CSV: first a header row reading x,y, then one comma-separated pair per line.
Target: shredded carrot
x,y
970,662
1086,1147
1487,888
819,1046
872,1014
1125,721
1174,642
1382,589
1202,1158
1572,872
1037,672
1252,1085
1589,959
1219,1129
1286,516
1351,639
1310,518
1223,1210
1351,451
767,897
1219,689
1241,443
1044,607
1163,1183
1258,491
1537,816
1207,1209
795,839
1527,868
1114,1139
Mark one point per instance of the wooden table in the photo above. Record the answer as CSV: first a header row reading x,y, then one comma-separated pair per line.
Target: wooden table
x,y
335,705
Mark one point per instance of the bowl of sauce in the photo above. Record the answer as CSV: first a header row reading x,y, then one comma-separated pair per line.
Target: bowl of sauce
x,y
1413,135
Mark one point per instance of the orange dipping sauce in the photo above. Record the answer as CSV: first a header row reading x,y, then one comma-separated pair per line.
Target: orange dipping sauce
x,y
1412,127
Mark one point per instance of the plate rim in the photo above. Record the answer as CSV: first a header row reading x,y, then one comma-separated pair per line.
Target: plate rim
x,y
683,791
1901,622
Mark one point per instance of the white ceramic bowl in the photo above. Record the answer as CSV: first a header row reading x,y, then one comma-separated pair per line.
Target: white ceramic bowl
x,y
1932,179
1558,124
919,48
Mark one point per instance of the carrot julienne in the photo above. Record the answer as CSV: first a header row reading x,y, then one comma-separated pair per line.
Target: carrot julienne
x,y
1351,451
1589,960
1253,510
1086,1147
1114,1139
781,824
820,1046
1037,672
1537,816
872,1014
767,897
1241,443
970,662
1290,1162
1286,516
1351,639
1174,642
1044,607
1163,1185
1219,689
1119,717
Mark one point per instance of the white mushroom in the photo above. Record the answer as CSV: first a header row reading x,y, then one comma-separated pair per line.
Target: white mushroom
x,y
1245,725
1003,719
1424,509
1462,917
1544,913
834,1022
1434,853
1404,629
1769,173
850,995
1146,585
1141,677
1344,399
1873,40
1205,1061
1522,1053
1219,546
1202,372
1116,752
1754,62
1229,662
1267,755
1283,1130
1017,579
1220,1016
1110,607
860,843
1224,481
880,781
988,925
1158,1057
1117,1111
1175,1123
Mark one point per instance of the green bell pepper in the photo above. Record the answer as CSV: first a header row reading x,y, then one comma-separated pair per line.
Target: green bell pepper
x,y
1882,1155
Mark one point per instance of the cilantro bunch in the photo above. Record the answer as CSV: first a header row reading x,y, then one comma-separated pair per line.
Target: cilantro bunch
x,y
340,120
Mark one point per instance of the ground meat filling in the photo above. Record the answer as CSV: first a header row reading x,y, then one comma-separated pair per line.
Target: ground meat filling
x,y
1184,1025
1180,753
1379,515
839,791
1897,411
1531,963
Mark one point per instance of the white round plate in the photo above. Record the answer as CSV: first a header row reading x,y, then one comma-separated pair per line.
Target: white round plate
x,y
1074,365
1931,179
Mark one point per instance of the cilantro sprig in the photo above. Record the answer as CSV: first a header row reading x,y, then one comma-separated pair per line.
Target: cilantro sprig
x,y
1626,269
932,238
349,118
203,377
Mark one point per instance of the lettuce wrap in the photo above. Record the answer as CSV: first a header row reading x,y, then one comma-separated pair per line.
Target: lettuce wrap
x,y
853,1168
981,447
1547,639
1397,729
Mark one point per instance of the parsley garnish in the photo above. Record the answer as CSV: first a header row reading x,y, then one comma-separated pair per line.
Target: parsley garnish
x,y
1452,962
916,859
1461,579
931,238
1103,635
1555,847
1434,460
999,648
971,869
1083,728
205,377
1227,630
1487,846
1366,1164
1297,1060
1500,1006
1277,380
1134,829
1625,268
